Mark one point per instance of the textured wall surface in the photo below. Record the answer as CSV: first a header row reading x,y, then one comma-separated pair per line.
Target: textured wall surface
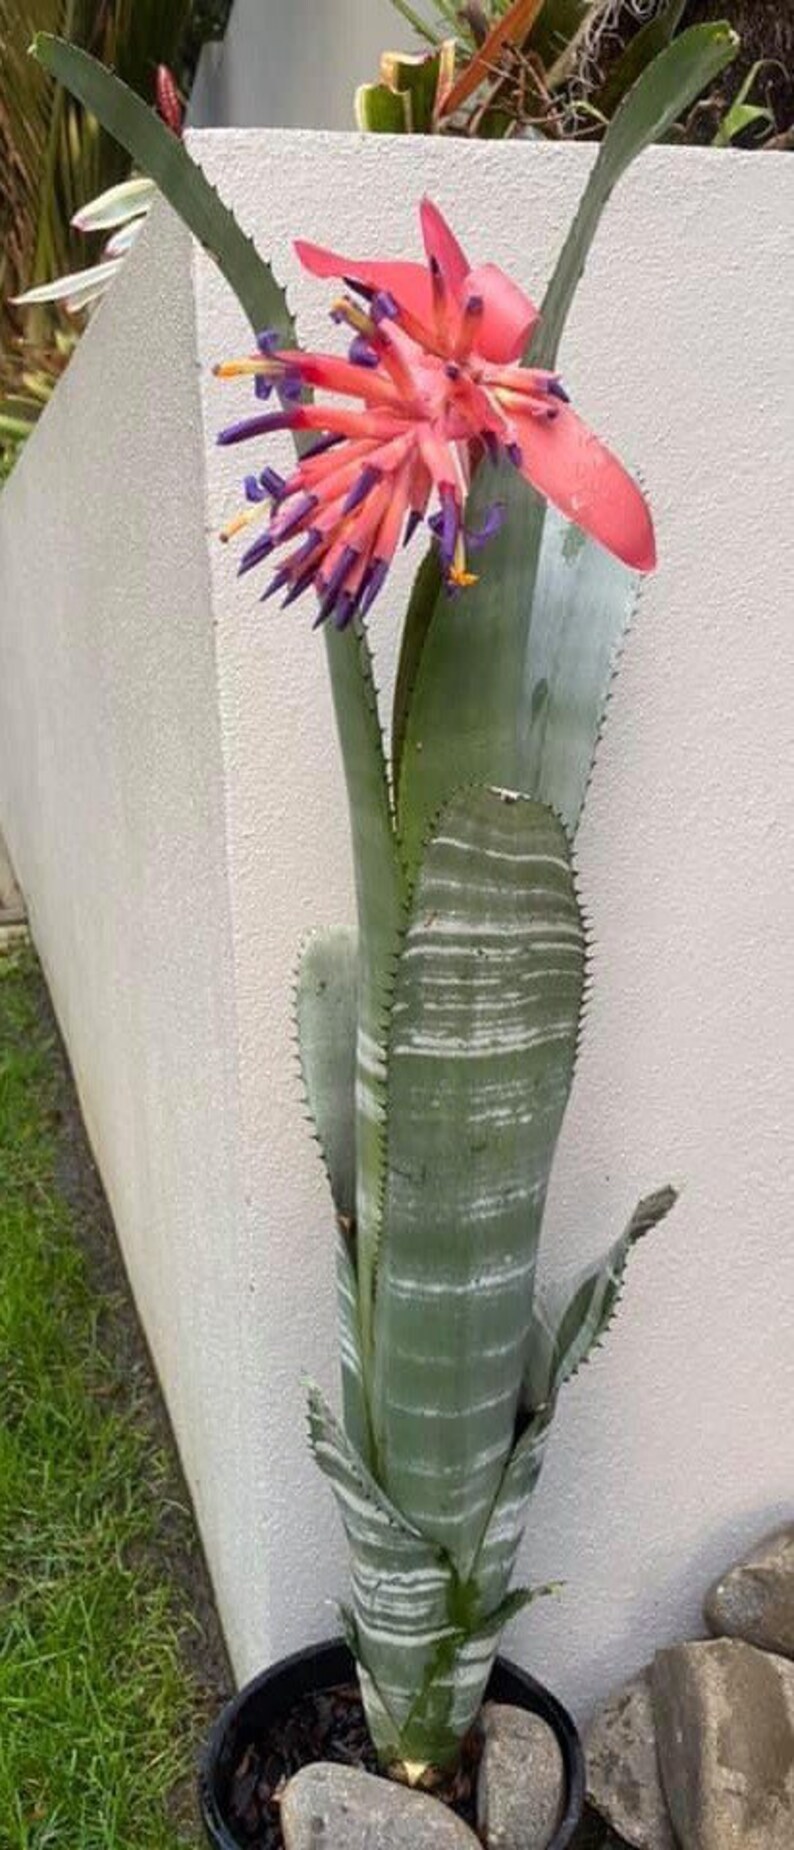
x,y
172,801
295,63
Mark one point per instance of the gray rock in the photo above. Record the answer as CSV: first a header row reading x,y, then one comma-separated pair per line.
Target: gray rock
x,y
329,1807
623,1779
521,1788
755,1599
724,1717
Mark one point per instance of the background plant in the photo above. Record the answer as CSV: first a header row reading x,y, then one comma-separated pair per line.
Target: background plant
x,y
55,156
561,67
470,939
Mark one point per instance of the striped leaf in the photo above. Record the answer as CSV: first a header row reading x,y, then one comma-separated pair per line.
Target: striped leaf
x,y
400,1582
496,1556
569,1324
483,1032
351,1363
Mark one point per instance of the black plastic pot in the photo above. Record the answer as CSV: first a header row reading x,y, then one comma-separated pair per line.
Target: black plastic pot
x,y
260,1705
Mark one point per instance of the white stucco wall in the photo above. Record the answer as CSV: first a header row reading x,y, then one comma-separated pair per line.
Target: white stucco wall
x,y
295,63
172,801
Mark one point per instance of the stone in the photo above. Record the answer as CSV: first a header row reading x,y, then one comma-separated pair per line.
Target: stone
x,y
328,1807
521,1785
755,1599
724,1715
624,1783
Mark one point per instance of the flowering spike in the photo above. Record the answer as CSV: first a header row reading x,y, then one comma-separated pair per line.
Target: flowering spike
x,y
430,383
384,307
375,580
367,480
361,353
253,555
256,427
273,483
492,523
254,489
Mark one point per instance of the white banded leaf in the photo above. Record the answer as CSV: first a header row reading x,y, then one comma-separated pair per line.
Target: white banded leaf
x,y
570,1322
354,1393
401,1583
496,1557
483,1032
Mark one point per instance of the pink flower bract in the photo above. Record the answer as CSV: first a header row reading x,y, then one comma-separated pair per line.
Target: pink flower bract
x,y
434,371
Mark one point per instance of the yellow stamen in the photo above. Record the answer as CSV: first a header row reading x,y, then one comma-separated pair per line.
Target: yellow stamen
x,y
238,522
458,572
354,316
463,578
238,369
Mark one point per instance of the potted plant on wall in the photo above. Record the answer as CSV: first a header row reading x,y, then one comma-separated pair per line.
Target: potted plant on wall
x,y
438,1044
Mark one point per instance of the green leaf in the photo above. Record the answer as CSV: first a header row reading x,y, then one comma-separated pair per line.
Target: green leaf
x,y
17,418
642,48
165,159
381,903
661,94
425,593
742,114
737,119
419,76
484,1023
583,603
378,873
380,110
509,682
466,662
325,1018
462,694
569,1323
557,34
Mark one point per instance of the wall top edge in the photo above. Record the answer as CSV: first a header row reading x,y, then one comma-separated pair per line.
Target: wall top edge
x,y
431,148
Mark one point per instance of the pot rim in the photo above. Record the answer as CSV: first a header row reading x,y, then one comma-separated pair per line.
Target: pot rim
x,y
321,1666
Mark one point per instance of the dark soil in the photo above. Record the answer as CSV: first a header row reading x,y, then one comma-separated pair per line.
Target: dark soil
x,y
326,1725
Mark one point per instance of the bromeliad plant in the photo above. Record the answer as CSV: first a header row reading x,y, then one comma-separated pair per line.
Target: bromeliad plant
x,y
438,1044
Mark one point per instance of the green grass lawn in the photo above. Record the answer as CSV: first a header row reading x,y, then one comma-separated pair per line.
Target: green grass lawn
x,y
103,1678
